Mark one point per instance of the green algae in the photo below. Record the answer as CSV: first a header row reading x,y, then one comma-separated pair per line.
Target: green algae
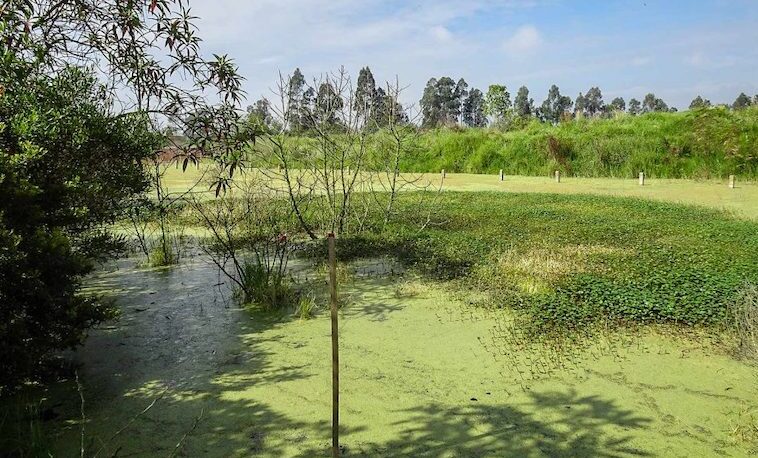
x,y
423,374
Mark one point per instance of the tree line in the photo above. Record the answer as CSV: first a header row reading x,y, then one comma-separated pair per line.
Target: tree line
x,y
448,103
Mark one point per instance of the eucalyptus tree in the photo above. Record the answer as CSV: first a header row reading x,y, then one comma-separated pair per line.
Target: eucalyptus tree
x,y
472,111
523,106
365,97
579,105
617,104
635,107
699,102
651,103
555,106
497,103
742,101
593,102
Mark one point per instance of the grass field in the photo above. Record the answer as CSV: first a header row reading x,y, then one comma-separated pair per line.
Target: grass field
x,y
742,201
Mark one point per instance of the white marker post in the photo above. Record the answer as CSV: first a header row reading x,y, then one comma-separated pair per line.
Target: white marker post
x,y
731,181
443,173
557,176
642,178
501,174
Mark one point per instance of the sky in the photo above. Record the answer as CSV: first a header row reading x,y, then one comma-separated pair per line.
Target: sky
x,y
676,49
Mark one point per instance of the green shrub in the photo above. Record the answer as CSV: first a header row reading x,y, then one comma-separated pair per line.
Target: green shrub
x,y
67,166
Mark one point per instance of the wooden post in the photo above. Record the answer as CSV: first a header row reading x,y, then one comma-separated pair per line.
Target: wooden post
x,y
557,176
335,349
443,173
501,174
642,178
731,181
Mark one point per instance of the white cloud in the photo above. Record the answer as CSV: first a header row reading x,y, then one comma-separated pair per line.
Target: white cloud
x,y
639,61
441,33
526,39
696,59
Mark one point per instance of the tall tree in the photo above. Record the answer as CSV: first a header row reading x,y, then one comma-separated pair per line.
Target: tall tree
x,y
473,109
742,101
618,104
260,113
328,105
555,105
305,111
699,102
497,102
635,107
523,105
388,111
460,94
651,103
593,102
295,113
441,102
580,104
448,101
365,93
430,105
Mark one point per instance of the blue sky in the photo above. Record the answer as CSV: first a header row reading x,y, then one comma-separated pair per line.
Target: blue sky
x,y
676,49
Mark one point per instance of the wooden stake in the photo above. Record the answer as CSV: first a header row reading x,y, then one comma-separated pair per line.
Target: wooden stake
x,y
731,181
557,176
335,349
501,174
642,178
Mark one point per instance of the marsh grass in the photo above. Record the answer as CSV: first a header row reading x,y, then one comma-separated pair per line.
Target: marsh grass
x,y
306,306
22,432
744,317
745,428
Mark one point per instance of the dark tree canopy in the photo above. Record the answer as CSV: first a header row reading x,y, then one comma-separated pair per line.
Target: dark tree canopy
x,y
365,93
441,101
473,109
593,102
522,104
617,104
651,103
555,106
699,102
742,101
635,107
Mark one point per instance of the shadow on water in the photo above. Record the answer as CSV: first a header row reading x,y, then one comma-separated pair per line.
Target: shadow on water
x,y
481,430
172,376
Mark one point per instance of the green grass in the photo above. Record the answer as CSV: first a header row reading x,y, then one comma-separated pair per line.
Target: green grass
x,y
709,143
572,261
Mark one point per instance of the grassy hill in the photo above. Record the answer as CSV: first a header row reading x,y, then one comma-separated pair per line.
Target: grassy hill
x,y
708,143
